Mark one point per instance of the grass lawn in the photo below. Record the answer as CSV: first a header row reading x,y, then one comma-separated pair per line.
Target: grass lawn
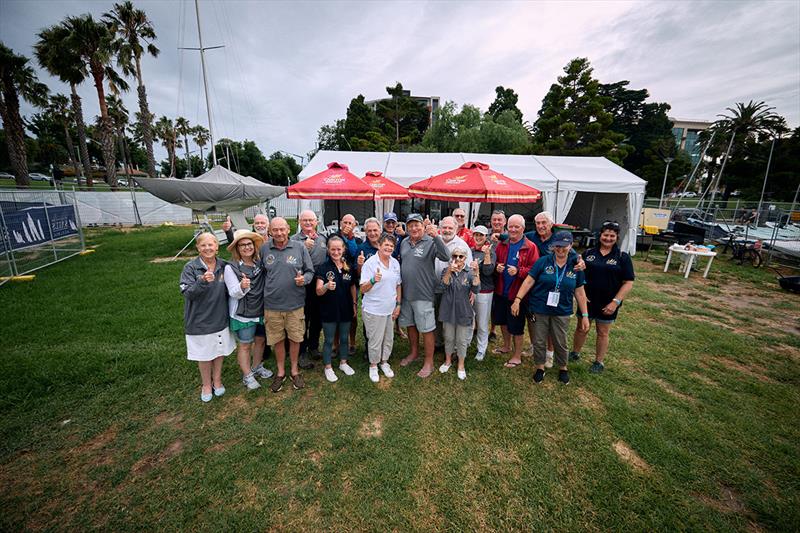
x,y
693,425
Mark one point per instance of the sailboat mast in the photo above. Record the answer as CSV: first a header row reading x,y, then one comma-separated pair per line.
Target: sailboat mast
x,y
205,82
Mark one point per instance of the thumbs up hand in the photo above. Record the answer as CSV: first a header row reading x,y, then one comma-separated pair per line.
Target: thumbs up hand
x,y
378,276
299,280
208,277
474,266
245,283
360,259
309,243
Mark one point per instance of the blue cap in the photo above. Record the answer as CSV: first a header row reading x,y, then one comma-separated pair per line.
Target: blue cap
x,y
562,238
390,216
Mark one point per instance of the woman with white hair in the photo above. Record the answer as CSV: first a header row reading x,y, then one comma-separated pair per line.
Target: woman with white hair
x,y
455,310
205,314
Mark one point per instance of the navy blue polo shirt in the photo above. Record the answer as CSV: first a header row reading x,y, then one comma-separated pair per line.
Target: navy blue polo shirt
x,y
335,305
605,274
545,273
511,260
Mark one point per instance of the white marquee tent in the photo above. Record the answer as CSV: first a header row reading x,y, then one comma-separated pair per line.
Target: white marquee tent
x,y
583,191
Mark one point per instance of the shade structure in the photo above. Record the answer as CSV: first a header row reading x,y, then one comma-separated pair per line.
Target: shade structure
x,y
334,183
474,182
385,189
218,189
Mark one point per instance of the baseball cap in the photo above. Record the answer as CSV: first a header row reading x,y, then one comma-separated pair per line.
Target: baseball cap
x,y
414,217
562,238
390,216
480,229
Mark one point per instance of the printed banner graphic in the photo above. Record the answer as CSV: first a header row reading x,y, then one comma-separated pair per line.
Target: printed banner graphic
x,y
29,227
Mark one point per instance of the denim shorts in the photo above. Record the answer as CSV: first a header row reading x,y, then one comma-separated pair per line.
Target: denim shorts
x,y
246,335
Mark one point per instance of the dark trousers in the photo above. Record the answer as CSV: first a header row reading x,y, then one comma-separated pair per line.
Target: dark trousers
x,y
313,322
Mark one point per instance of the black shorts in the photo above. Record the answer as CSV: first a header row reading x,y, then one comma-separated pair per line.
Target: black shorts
x,y
501,314
261,330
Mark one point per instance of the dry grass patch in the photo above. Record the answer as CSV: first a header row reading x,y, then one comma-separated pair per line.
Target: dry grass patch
x,y
704,379
753,371
629,456
589,400
145,464
222,446
667,387
730,502
371,427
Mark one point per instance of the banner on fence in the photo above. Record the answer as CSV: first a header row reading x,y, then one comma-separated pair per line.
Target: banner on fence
x,y
30,227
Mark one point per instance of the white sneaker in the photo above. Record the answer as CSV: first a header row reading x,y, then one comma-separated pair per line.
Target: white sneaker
x,y
444,368
373,374
250,381
330,375
387,370
462,375
261,372
347,369
480,356
548,360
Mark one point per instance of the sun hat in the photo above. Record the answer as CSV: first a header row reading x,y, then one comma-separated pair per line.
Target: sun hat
x,y
390,216
480,229
562,238
414,217
240,234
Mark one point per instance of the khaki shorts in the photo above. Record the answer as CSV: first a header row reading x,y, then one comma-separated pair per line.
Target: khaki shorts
x,y
419,313
282,324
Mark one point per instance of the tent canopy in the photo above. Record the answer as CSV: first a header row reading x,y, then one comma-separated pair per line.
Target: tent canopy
x,y
560,178
218,189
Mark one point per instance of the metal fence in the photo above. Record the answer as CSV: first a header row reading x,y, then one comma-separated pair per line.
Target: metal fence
x,y
37,229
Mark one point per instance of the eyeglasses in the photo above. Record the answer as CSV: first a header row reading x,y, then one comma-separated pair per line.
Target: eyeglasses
x,y
459,216
457,256
245,245
608,224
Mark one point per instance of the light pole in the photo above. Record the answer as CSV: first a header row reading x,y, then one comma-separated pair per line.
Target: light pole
x,y
667,160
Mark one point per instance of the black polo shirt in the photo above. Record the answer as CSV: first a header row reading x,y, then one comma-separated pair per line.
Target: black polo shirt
x,y
605,274
336,305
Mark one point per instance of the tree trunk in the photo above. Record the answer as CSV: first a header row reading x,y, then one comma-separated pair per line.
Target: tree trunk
x,y
77,110
71,149
15,133
188,163
146,122
171,154
109,152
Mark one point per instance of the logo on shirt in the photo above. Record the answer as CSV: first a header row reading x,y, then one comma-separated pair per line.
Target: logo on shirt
x,y
590,258
346,277
270,259
419,251
611,262
291,260
549,270
570,274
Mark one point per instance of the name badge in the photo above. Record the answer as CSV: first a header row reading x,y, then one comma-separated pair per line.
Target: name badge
x,y
552,298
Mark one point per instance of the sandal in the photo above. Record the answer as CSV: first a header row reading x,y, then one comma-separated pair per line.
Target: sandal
x,y
500,351
511,364
424,373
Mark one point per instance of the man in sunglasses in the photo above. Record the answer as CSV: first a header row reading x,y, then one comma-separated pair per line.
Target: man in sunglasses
x,y
463,232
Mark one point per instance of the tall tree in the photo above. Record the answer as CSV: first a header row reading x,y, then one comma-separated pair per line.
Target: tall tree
x,y
201,136
64,62
59,109
17,79
165,130
93,41
505,100
120,116
573,119
184,129
361,128
404,120
134,37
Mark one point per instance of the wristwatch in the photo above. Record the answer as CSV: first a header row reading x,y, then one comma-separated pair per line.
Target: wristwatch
x,y
617,301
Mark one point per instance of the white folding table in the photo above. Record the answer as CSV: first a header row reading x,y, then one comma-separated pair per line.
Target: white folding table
x,y
691,255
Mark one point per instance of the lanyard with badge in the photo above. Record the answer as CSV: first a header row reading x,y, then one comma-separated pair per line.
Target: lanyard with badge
x,y
554,296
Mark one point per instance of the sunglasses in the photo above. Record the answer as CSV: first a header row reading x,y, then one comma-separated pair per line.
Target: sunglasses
x,y
456,256
459,216
610,225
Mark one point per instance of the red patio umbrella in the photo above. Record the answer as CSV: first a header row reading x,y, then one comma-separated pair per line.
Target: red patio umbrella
x,y
334,183
385,189
474,182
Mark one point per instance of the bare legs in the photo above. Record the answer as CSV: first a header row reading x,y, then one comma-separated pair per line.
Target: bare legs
x,y
601,345
211,374
428,341
280,357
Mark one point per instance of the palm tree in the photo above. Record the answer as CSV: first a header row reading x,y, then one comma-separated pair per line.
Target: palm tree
x,y
134,35
92,41
119,116
58,108
63,62
201,138
165,130
183,128
17,79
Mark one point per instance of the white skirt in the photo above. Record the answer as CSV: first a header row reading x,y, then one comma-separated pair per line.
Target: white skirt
x,y
209,347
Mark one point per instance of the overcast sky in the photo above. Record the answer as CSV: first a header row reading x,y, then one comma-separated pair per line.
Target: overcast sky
x,y
289,67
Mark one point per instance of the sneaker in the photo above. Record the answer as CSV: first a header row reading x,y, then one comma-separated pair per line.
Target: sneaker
x,y
387,370
205,398
462,374
330,375
444,368
297,381
220,391
347,369
250,381
304,362
480,356
538,377
277,383
597,367
261,372
574,356
563,376
548,360
373,374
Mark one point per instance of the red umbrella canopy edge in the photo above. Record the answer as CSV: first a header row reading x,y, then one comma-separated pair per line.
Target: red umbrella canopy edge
x,y
385,189
334,183
474,182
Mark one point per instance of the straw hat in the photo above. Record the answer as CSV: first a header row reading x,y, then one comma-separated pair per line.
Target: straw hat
x,y
240,234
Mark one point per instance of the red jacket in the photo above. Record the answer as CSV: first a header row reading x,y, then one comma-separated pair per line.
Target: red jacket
x,y
466,236
528,255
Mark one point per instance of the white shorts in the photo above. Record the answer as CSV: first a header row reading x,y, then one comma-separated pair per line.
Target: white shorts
x,y
209,347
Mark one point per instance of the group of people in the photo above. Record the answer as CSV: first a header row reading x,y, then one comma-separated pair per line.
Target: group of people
x,y
444,284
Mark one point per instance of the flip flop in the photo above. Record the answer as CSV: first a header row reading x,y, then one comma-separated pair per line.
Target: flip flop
x,y
511,364
500,351
406,361
424,374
